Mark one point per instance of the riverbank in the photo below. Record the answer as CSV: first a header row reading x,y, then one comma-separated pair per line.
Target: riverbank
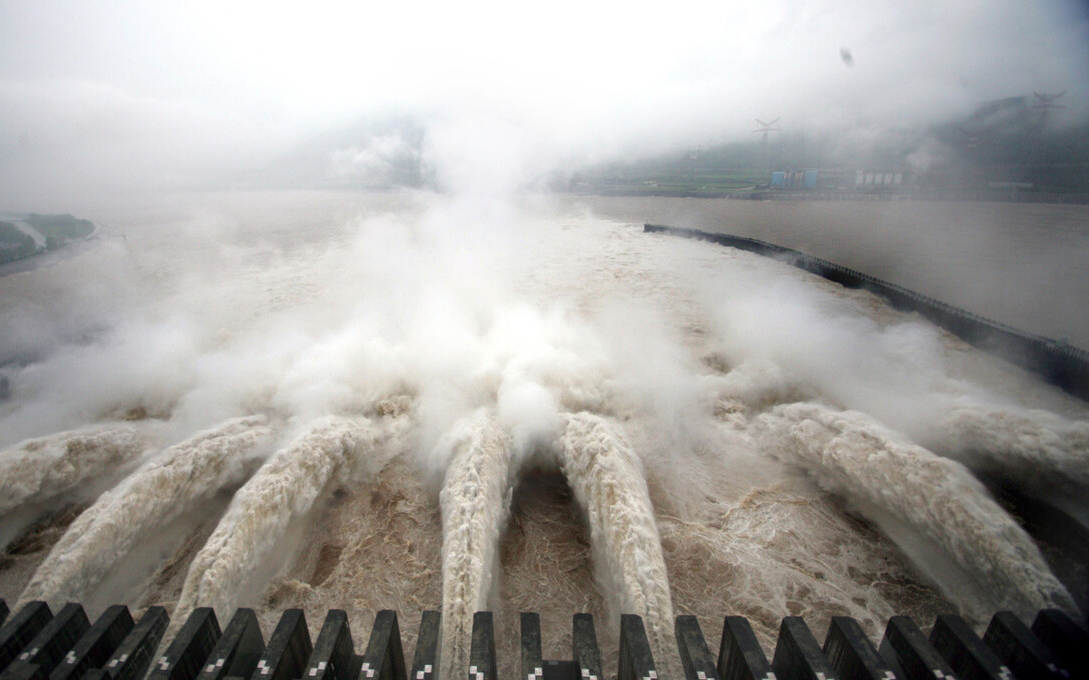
x,y
49,239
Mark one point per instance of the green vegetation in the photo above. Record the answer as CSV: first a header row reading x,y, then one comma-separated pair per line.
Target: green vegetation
x,y
14,244
60,229
56,230
669,176
1006,147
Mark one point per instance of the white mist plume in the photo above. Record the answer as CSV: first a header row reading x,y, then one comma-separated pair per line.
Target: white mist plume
x,y
164,488
850,454
375,162
814,337
475,502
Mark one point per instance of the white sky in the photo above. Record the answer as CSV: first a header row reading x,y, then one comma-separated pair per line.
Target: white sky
x,y
171,89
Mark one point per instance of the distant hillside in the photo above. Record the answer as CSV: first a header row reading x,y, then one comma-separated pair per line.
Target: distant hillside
x,y
29,235
1004,143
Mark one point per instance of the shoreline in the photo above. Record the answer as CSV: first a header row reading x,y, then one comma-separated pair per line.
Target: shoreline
x,y
49,258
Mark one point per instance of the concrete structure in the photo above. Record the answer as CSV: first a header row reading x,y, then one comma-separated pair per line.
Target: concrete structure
x,y
35,644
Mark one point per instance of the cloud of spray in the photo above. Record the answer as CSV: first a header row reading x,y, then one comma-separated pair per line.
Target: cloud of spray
x,y
376,162
791,340
486,325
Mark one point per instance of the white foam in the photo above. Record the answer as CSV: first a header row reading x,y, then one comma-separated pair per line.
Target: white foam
x,y
1040,451
607,480
283,489
38,470
849,453
159,491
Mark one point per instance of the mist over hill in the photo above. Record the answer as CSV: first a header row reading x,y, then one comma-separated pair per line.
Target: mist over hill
x,y
368,153
1003,144
1020,143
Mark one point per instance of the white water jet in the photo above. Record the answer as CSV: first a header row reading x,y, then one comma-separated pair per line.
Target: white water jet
x,y
1039,451
848,453
607,480
156,493
475,502
40,469
284,489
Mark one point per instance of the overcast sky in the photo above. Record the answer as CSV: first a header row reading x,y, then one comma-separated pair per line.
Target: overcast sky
x,y
103,93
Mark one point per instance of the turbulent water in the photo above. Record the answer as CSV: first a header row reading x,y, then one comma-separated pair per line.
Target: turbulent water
x,y
417,402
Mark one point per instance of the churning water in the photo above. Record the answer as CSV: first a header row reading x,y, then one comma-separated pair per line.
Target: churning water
x,y
409,402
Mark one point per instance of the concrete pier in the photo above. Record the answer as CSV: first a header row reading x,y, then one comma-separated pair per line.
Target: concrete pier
x,y
39,646
237,651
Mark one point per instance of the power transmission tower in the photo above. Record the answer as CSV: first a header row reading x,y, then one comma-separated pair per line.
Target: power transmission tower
x,y
1045,103
764,130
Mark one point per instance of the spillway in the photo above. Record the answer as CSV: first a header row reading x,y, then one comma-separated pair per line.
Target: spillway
x,y
339,407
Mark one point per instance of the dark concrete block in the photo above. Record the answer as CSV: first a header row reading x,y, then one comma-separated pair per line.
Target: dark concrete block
x,y
21,629
237,651
133,656
49,646
94,648
23,671
532,660
584,650
851,653
1015,645
636,659
1067,639
969,658
482,650
740,656
797,654
911,656
696,659
190,648
425,661
385,658
334,653
288,649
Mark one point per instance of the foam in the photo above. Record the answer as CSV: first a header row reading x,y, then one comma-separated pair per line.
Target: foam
x,y
156,493
850,454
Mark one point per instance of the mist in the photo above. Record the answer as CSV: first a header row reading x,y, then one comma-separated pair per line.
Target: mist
x,y
332,319
106,97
